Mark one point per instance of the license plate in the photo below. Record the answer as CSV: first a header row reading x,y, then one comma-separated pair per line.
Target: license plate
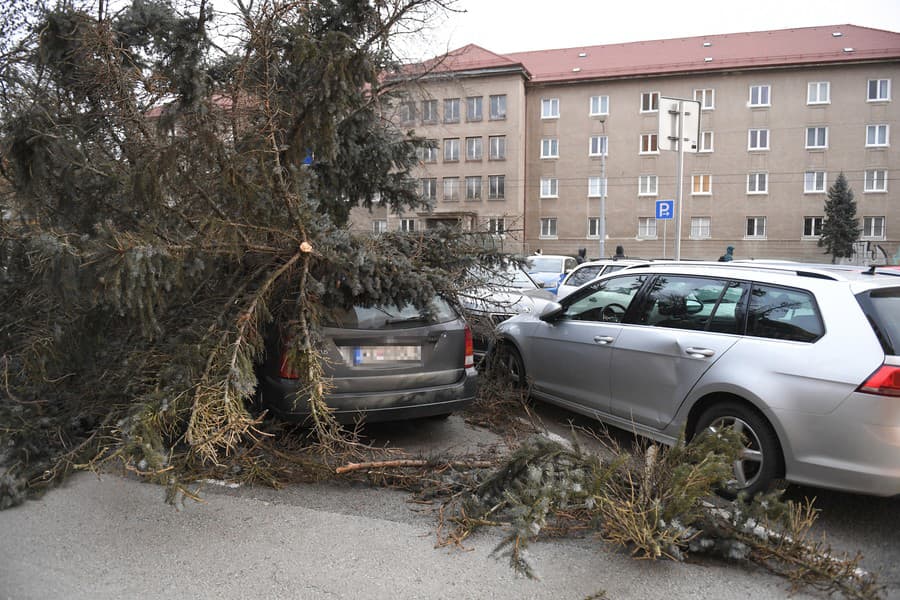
x,y
380,355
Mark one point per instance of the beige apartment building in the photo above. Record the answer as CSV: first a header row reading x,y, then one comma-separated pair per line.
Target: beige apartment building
x,y
525,145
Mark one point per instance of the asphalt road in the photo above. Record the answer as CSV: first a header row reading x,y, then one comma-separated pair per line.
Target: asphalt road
x,y
116,538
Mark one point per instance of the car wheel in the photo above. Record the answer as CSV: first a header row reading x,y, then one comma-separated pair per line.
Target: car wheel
x,y
509,366
760,462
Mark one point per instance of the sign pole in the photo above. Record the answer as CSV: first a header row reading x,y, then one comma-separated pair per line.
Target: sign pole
x,y
679,201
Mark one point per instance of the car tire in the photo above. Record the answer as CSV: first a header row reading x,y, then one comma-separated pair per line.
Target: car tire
x,y
509,366
761,463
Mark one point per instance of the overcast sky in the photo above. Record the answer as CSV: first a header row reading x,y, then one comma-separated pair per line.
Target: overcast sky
x,y
505,26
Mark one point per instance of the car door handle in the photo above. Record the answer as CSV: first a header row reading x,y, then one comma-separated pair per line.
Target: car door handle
x,y
700,352
604,339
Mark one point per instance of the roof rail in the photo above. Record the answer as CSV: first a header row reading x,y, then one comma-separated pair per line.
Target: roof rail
x,y
799,269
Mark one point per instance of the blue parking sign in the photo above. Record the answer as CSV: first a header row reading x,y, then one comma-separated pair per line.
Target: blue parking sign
x,y
665,209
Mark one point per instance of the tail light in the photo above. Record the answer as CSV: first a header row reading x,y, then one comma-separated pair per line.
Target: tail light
x,y
286,369
884,382
470,350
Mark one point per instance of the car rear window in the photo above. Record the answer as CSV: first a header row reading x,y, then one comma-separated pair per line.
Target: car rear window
x,y
783,314
537,264
584,274
882,307
392,317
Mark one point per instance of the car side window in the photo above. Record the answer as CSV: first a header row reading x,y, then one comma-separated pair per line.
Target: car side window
x,y
583,275
692,303
783,314
605,301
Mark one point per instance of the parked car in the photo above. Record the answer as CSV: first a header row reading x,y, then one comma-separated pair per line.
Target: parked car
x,y
383,363
803,361
591,270
547,269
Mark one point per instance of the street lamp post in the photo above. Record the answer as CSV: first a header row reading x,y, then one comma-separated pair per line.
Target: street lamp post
x,y
601,226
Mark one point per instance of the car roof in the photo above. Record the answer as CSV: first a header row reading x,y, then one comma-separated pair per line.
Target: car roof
x,y
611,261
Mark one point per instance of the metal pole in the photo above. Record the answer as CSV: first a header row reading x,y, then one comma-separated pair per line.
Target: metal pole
x,y
601,226
679,181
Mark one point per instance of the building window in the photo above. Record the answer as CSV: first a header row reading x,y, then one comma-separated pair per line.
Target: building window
x,y
473,188
877,135
648,185
451,189
430,151
498,147
598,145
599,105
407,225
498,107
649,143
875,180
548,227
473,108
873,228
760,95
818,92
756,227
647,227
451,150
593,224
379,225
706,98
596,187
701,184
451,110
550,108
497,225
649,101
549,187
812,226
700,228
429,111
814,182
473,148
758,139
407,112
496,187
816,137
706,141
879,90
757,183
549,148
429,189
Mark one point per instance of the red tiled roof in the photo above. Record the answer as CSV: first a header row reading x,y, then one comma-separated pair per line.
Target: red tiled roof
x,y
784,47
467,58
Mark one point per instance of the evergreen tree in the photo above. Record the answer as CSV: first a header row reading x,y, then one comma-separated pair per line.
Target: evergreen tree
x,y
166,213
840,230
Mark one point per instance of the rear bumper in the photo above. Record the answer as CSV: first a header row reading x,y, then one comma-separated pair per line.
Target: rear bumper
x,y
280,397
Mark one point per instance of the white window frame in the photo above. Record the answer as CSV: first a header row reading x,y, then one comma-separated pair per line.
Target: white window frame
x,y
701,228
548,228
429,188
497,150
813,221
815,95
451,110
812,177
407,225
703,177
550,148
593,228
596,186
407,111
652,140
601,108
496,187
706,97
875,181
451,183
882,90
474,148
870,227
430,151
549,187
757,90
497,225
476,102
498,107
647,228
430,111
878,135
755,140
759,228
549,108
648,185
817,129
379,226
474,188
598,145
653,101
704,147
758,183
451,149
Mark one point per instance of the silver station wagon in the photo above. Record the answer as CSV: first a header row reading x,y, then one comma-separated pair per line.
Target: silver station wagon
x,y
802,360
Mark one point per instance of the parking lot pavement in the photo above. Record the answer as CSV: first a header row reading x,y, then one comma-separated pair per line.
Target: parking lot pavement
x,y
116,538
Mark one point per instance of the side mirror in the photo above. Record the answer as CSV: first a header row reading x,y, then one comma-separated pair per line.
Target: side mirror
x,y
693,306
550,311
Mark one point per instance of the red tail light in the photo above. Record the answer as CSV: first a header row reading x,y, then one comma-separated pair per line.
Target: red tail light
x,y
884,382
286,369
470,349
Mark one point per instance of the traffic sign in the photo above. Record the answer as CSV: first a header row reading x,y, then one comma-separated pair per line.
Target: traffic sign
x,y
673,110
665,209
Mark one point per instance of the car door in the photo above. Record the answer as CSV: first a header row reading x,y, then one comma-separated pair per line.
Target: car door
x,y
683,325
570,355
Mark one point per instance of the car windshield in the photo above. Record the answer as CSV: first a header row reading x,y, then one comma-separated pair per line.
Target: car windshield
x,y
882,307
545,264
391,317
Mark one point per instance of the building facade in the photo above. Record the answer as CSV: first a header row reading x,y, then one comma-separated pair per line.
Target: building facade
x,y
782,113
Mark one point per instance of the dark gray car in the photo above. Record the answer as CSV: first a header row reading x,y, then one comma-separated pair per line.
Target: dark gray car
x,y
383,364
